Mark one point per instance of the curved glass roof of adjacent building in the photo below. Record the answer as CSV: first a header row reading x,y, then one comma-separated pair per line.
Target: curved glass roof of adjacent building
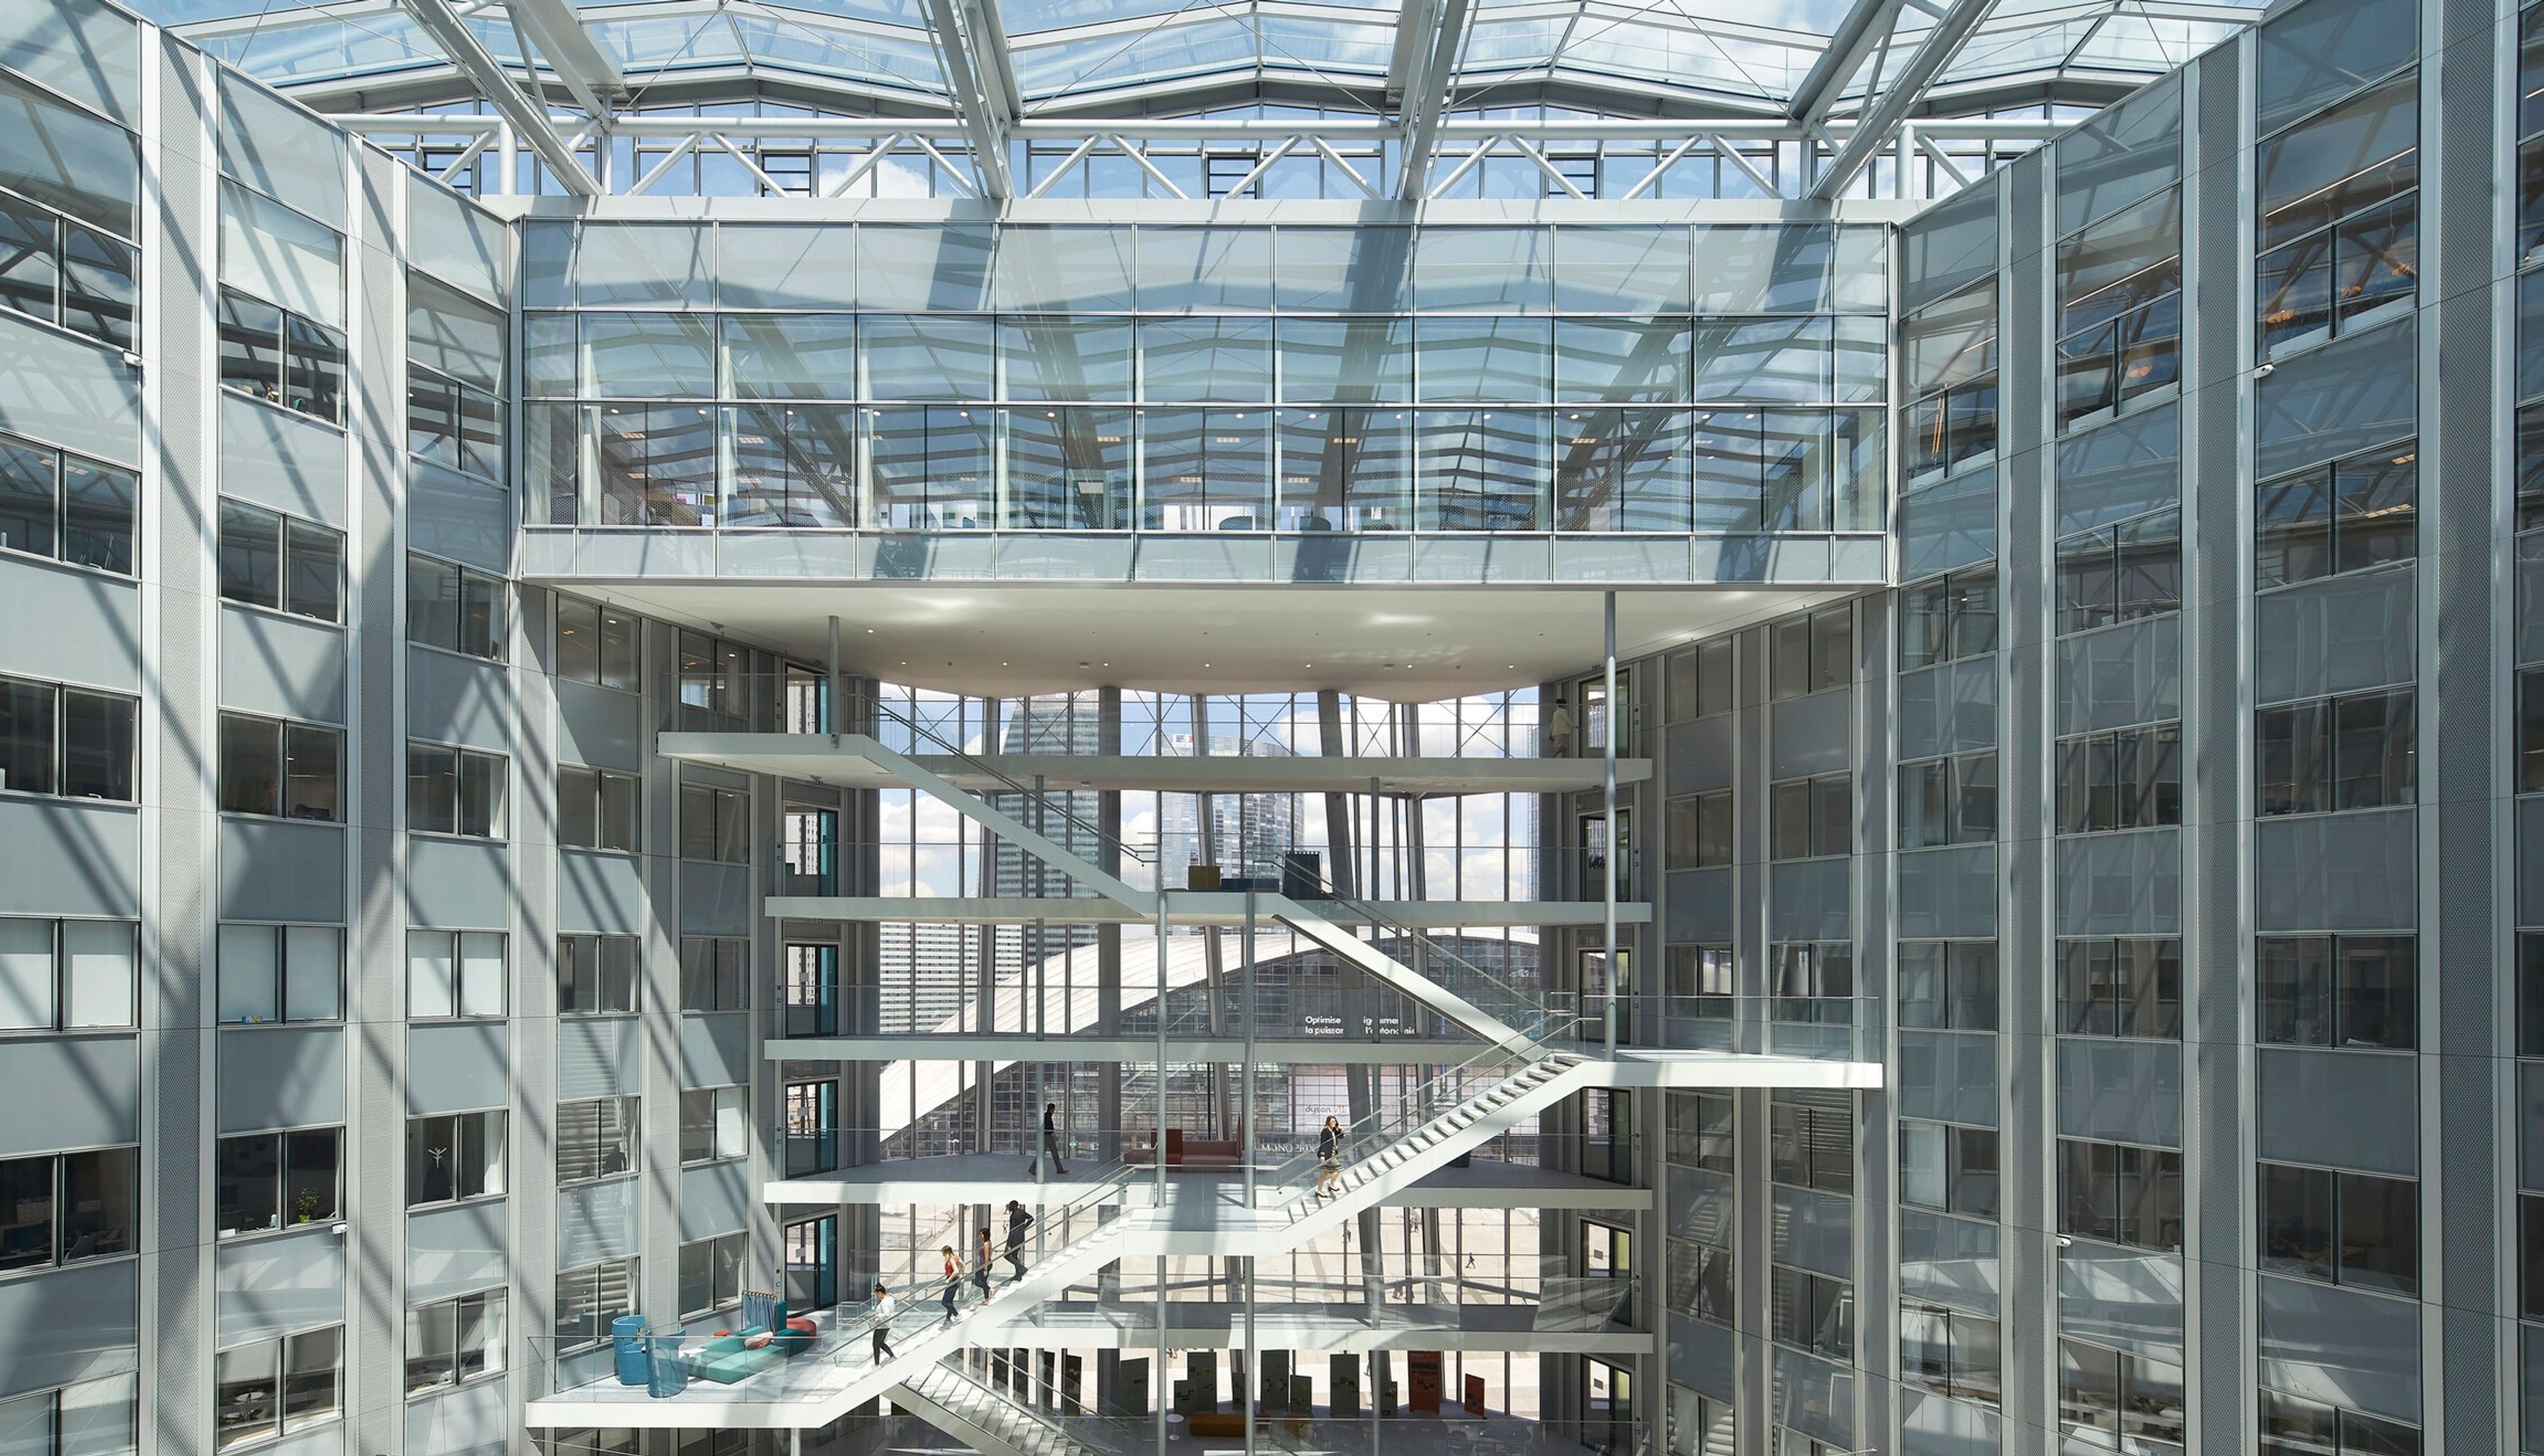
x,y
1761,60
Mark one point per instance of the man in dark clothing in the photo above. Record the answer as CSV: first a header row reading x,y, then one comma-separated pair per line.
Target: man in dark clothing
x,y
1017,1222
1050,1141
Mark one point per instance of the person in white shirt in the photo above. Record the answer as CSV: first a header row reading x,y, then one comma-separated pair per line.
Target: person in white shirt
x,y
884,1309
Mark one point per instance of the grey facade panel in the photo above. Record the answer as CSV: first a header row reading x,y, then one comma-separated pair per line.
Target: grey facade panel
x,y
2118,1090
457,517
715,899
2121,884
70,1092
282,869
2132,151
456,1249
466,700
1947,526
1810,900
457,1066
2337,1108
1813,1231
1949,893
597,1221
2128,467
600,727
715,1199
71,1325
1701,1357
2337,400
1949,1077
68,392
1948,247
280,1076
2120,675
2350,871
1946,1260
92,624
1696,906
2121,1297
1812,1396
2342,1347
1808,735
601,894
1949,709
1702,1205
279,1282
472,1420
2529,601
71,858
1931,1426
597,1057
282,462
283,667
2341,634
458,883
715,1050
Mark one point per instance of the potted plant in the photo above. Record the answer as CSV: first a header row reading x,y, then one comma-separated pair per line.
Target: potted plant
x,y
306,1205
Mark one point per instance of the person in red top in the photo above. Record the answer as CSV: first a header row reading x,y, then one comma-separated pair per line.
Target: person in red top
x,y
953,1281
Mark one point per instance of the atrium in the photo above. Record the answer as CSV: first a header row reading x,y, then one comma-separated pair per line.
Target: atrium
x,y
770,727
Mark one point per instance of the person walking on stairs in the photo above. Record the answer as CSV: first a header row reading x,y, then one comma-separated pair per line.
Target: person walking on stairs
x,y
885,1307
981,1261
953,1281
1017,1222
1329,1156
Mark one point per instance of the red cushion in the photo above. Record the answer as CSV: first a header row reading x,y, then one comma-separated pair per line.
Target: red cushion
x,y
800,1324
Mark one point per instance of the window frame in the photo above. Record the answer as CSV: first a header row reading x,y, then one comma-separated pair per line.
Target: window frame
x,y
1958,986
63,759
491,1345
288,1369
723,1253
492,1144
59,463
725,1126
2139,794
285,1170
718,966
292,359
293,538
571,951
460,982
2336,1211
61,987
604,618
578,783
488,820
285,732
2131,1166
60,1213
283,939
2124,984
482,636
630,1143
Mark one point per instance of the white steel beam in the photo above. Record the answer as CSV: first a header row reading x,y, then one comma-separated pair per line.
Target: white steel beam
x,y
1879,124
587,70
1439,35
1867,24
529,115
973,50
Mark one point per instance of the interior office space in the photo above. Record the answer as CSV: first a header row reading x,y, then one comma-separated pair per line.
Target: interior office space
x,y
1542,727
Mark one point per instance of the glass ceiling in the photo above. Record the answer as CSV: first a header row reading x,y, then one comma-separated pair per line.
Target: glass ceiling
x,y
1680,59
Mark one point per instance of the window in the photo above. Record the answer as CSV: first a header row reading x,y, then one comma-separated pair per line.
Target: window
x,y
597,809
67,975
2338,517
2530,731
1947,619
1947,352
2339,1228
96,1417
275,1387
1702,1281
454,607
589,1298
726,686
2130,1399
2293,1427
2121,573
1810,652
67,742
2130,779
2119,317
282,973
65,507
1947,801
1811,817
711,1273
1810,1140
715,1124
712,974
1701,981
1814,981
2339,218
596,644
455,1342
269,560
1947,984
596,975
1812,1311
453,424
456,973
715,824
271,766
63,273
1700,1130
2120,987
812,991
2530,994
454,791
2351,990
2119,1193
63,1208
2336,753
2530,1262
454,1157
279,1180
1948,1168
812,1127
282,358
595,1139
1700,680
1699,830
1951,1352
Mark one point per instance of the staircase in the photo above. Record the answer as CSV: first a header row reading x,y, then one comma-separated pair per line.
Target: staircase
x,y
988,1418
